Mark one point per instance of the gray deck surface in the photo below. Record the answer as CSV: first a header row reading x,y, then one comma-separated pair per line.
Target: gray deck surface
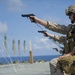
x,y
25,69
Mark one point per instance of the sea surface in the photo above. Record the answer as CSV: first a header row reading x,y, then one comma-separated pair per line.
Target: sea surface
x,y
6,60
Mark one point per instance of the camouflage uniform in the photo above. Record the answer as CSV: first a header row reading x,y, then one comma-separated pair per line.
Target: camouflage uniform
x,y
54,65
70,32
60,39
70,11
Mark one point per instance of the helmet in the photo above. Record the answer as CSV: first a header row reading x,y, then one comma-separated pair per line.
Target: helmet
x,y
70,9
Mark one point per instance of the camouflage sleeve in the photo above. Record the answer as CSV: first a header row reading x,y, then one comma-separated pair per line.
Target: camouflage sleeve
x,y
60,39
57,27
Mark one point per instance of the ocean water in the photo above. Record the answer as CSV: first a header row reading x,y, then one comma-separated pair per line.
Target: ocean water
x,y
6,60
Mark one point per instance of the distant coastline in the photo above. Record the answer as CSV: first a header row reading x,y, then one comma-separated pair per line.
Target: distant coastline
x,y
25,59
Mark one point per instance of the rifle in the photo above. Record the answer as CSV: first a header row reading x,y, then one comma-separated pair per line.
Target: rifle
x,y
28,16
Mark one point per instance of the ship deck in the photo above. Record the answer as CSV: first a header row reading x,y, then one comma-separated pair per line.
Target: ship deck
x,y
25,69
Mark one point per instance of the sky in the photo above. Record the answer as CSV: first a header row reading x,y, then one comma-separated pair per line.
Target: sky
x,y
14,26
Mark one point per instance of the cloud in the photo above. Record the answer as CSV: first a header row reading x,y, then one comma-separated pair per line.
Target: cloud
x,y
3,27
15,5
43,43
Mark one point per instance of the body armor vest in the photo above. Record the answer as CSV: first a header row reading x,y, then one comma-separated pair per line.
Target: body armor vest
x,y
70,42
71,38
